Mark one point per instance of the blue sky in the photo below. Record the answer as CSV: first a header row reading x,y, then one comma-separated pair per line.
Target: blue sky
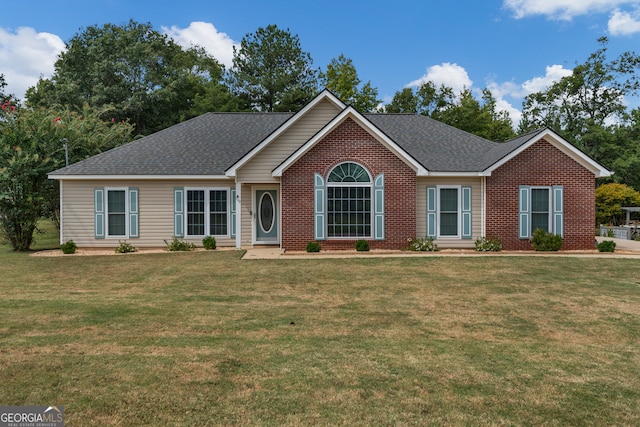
x,y
512,47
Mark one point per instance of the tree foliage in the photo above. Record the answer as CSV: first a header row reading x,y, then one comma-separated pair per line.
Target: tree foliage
x,y
342,79
588,109
271,72
129,72
610,198
462,110
31,146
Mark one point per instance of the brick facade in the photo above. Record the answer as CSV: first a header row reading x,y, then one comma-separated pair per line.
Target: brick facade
x,y
541,165
348,142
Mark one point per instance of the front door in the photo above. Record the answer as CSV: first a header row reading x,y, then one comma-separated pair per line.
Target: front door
x,y
266,216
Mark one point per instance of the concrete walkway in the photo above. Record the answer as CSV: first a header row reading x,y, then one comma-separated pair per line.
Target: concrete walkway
x,y
624,249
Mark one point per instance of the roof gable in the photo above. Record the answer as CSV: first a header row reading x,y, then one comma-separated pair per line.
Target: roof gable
x,y
361,120
504,152
322,97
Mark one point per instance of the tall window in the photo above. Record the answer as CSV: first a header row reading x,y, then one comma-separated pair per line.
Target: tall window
x,y
349,202
540,204
449,211
117,212
218,212
540,207
207,212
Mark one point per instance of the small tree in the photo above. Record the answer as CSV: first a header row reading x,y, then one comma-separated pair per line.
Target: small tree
x,y
31,146
610,198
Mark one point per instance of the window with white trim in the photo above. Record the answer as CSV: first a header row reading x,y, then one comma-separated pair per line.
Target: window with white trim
x,y
540,207
349,207
449,211
116,212
207,212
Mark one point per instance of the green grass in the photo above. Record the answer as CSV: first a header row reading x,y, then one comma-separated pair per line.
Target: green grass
x,y
204,338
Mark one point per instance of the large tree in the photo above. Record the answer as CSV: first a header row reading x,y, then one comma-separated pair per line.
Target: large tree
x,y
32,144
592,96
271,72
588,108
129,72
342,79
461,110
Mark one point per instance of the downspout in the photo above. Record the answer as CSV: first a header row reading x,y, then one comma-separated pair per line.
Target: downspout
x,y
483,186
61,213
238,202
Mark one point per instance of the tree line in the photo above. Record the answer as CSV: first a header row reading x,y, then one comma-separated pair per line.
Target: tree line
x,y
114,83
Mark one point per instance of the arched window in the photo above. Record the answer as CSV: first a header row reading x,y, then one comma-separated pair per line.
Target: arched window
x,y
349,208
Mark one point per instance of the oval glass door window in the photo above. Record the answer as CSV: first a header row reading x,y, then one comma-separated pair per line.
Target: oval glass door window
x,y
267,218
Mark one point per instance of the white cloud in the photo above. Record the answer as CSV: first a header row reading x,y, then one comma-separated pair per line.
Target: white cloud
x,y
447,74
25,56
540,83
562,9
204,34
624,23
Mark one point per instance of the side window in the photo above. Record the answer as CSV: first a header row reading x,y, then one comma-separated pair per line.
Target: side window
x,y
207,212
449,212
116,213
540,207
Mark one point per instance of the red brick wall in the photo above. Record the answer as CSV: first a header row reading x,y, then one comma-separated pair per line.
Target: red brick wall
x,y
544,165
348,142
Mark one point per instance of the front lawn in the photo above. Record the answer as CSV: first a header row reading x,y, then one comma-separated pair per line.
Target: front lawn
x,y
204,338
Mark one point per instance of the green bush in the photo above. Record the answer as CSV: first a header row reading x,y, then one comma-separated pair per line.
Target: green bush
x,y
209,242
125,248
607,246
545,241
313,247
177,245
422,245
485,244
69,247
362,246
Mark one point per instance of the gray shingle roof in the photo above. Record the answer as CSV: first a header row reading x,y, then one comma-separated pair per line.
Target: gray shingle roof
x,y
211,143
437,146
205,145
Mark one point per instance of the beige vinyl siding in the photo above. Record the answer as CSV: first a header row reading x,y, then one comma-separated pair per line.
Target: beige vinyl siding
x,y
155,222
246,212
259,168
476,208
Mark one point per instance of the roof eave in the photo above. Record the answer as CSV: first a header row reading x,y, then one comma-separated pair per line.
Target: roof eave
x,y
58,177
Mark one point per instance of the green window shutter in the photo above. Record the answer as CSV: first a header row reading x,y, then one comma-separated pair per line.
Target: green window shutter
x,y
178,212
133,213
466,213
558,210
232,206
98,212
432,216
524,212
319,211
378,210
